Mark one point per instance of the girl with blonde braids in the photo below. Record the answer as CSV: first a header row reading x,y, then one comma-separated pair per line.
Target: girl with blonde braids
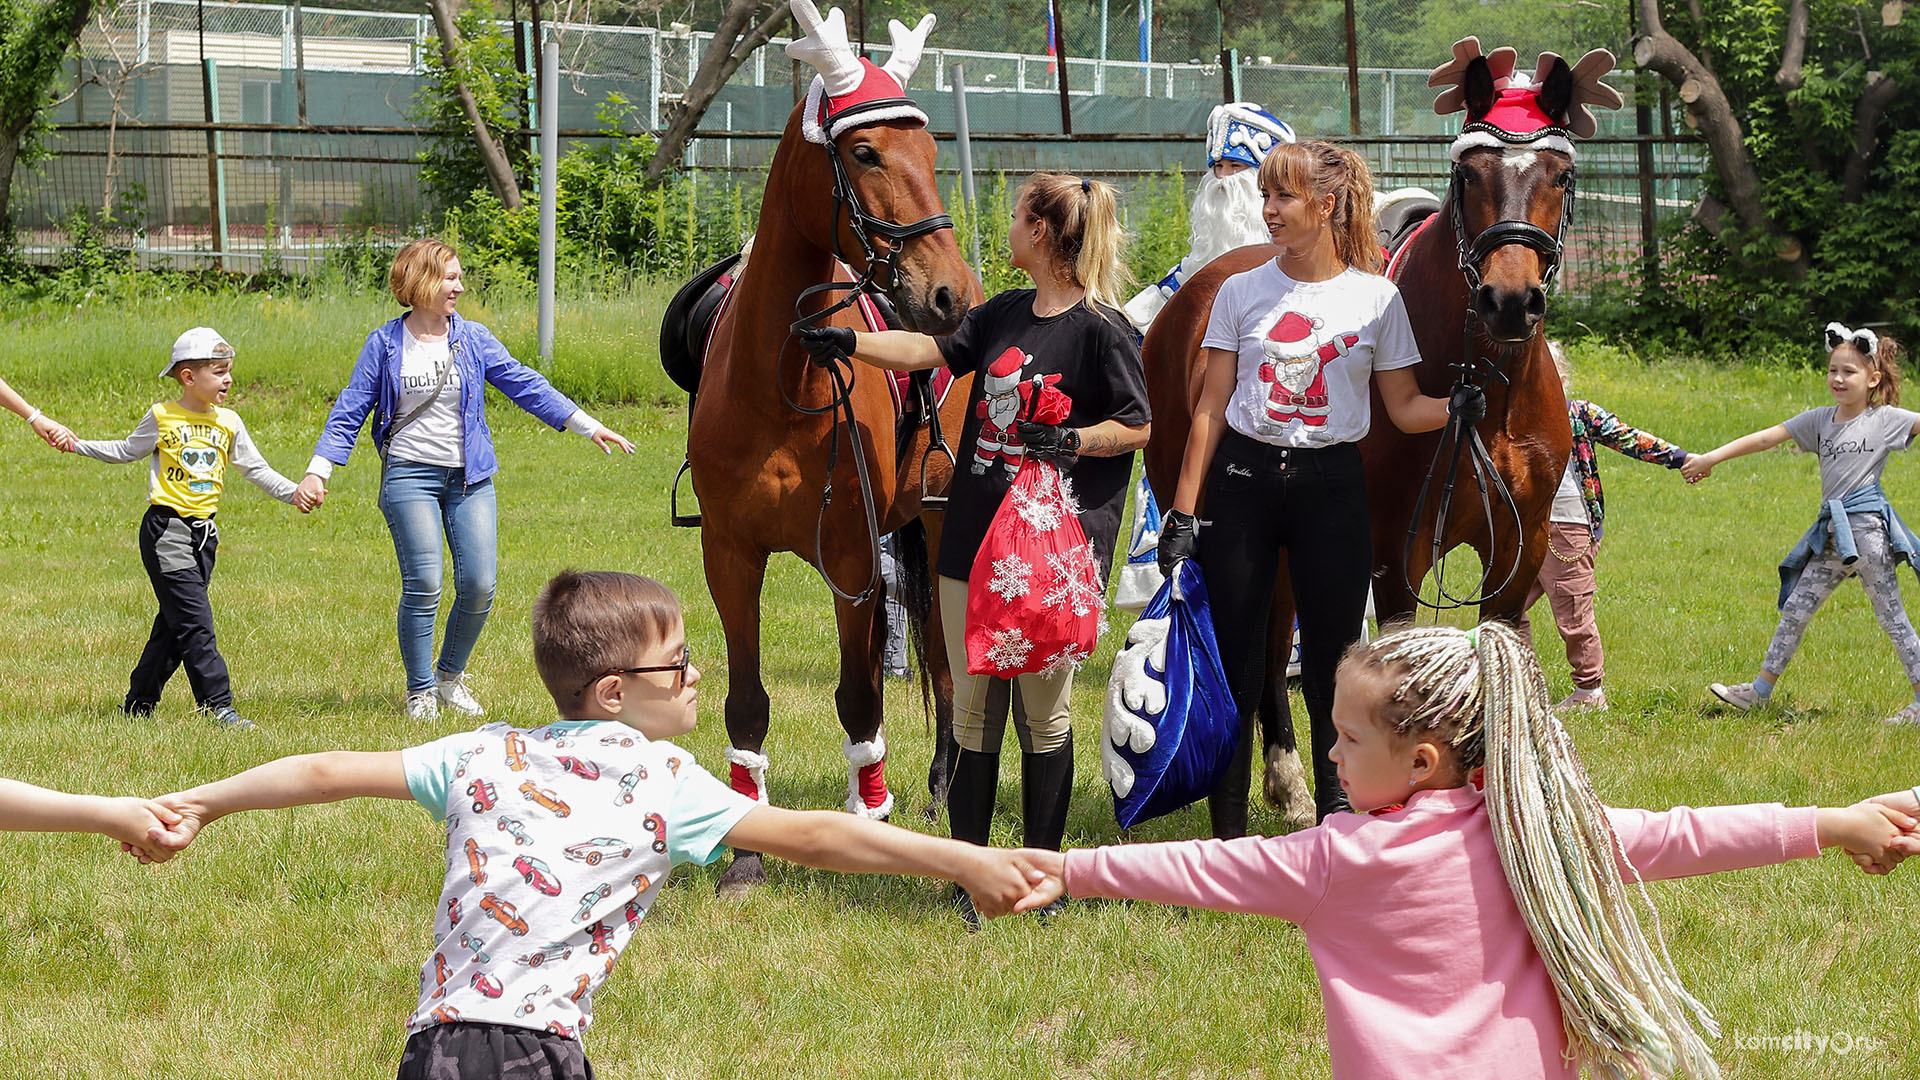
x,y
1475,916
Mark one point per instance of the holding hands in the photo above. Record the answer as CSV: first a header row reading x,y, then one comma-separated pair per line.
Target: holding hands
x,y
1876,834
1697,467
55,433
310,494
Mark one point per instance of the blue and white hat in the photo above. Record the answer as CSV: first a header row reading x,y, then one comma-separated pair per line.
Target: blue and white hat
x,y
1243,132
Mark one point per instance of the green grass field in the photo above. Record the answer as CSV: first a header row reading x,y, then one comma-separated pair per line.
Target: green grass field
x,y
288,943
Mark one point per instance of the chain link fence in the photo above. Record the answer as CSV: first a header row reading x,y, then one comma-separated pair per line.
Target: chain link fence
x,y
312,135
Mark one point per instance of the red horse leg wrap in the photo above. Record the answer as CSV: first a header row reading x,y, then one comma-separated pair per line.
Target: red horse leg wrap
x,y
742,781
873,783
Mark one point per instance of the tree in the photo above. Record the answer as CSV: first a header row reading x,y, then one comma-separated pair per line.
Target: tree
x,y
744,25
459,76
1813,131
35,38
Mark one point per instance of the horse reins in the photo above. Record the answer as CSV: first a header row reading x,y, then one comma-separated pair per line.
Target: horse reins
x,y
1479,372
840,368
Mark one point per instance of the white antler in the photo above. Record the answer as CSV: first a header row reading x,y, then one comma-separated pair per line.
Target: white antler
x,y
1453,73
907,47
826,47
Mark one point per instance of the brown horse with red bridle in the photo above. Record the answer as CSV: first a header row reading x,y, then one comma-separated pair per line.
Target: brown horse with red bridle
x,y
789,456
1474,278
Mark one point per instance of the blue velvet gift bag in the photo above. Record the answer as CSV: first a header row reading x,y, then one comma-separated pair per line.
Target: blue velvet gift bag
x,y
1170,727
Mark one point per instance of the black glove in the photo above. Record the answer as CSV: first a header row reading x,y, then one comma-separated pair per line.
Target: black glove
x,y
1179,539
1048,441
1468,403
827,343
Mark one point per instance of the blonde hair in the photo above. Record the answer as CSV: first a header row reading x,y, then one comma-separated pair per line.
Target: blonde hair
x,y
1481,693
1886,362
1317,169
588,622
1082,217
417,272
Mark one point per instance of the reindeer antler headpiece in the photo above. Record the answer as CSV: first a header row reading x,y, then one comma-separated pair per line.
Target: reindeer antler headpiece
x,y
1546,111
851,91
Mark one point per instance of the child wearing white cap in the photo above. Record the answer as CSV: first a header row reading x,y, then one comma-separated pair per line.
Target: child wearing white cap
x,y
188,444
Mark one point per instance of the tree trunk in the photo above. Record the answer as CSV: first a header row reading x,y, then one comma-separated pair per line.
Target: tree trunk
x,y
1658,51
1792,74
724,57
1866,141
31,57
492,154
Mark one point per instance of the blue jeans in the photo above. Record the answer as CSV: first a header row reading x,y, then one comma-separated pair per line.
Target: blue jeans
x,y
421,502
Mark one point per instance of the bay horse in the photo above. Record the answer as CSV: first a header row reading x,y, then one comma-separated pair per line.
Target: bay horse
x,y
1474,278
789,456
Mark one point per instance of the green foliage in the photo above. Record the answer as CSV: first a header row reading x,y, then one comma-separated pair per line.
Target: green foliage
x,y
1156,215
1732,294
450,168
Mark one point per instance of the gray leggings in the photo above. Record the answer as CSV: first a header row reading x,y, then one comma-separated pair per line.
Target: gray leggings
x,y
1824,573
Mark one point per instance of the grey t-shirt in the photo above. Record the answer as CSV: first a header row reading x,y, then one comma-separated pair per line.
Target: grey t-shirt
x,y
1854,452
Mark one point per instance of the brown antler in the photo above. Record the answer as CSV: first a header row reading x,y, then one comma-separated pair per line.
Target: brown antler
x,y
1589,90
1453,73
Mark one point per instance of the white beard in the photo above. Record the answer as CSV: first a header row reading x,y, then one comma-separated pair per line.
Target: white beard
x,y
1225,215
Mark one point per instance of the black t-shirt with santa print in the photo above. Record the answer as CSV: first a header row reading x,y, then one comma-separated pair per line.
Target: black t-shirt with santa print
x,y
1096,362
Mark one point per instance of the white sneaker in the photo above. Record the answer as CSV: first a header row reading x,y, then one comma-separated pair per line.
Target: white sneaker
x,y
1594,700
455,694
1741,696
423,705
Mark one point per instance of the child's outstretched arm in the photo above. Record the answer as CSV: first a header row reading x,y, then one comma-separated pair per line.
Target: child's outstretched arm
x,y
26,808
1700,466
253,465
1686,841
289,781
135,447
829,840
1610,431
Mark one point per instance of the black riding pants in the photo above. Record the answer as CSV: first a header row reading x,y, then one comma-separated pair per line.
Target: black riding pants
x,y
1262,498
179,555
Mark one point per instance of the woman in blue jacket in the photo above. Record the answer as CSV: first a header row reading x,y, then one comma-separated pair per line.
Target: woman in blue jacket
x,y
422,377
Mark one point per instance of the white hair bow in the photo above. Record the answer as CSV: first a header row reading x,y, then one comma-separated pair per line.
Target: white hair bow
x,y
1863,339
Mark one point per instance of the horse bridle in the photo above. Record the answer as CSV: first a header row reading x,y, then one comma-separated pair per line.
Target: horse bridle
x,y
1479,372
846,198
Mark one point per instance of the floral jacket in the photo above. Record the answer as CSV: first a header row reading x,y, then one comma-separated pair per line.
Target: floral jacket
x,y
1592,423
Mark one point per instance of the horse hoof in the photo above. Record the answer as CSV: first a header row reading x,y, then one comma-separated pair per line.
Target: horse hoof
x,y
1285,788
746,874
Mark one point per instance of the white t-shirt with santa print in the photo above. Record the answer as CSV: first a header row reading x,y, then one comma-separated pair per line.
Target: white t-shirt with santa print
x,y
1307,350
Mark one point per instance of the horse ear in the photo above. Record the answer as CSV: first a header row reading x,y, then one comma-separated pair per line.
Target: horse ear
x,y
1478,89
1555,81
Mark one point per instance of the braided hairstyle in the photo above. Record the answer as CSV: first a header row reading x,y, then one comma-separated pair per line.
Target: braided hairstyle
x,y
1317,169
1481,693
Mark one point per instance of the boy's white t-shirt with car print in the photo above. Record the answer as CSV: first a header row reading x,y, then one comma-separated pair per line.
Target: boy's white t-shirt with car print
x,y
558,839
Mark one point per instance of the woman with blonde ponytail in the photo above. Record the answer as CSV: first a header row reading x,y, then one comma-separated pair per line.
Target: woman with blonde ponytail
x,y
1290,350
1064,333
1477,915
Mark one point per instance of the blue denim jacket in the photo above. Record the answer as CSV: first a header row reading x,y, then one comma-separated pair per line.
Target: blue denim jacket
x,y
375,386
1833,524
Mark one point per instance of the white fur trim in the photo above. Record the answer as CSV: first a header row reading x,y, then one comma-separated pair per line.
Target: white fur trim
x,y
908,45
858,808
810,127
906,110
1473,140
861,754
756,766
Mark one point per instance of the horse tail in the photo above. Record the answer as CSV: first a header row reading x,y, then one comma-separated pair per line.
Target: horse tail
x,y
914,570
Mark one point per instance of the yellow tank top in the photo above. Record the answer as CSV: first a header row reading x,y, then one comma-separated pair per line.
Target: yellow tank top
x,y
190,459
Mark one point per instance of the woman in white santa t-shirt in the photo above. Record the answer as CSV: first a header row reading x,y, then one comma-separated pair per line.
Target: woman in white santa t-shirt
x,y
1289,350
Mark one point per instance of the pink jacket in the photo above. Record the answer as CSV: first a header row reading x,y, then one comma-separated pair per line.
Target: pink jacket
x,y
1426,967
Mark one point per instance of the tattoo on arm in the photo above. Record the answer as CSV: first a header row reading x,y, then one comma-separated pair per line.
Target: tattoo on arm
x,y
1102,444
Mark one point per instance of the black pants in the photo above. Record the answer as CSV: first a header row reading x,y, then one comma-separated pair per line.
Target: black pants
x,y
179,553
493,1051
1261,498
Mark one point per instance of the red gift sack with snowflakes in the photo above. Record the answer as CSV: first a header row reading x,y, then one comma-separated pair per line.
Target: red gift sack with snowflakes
x,y
1034,598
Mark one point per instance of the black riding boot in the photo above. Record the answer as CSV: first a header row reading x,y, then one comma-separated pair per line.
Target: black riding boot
x,y
1227,804
1046,787
976,779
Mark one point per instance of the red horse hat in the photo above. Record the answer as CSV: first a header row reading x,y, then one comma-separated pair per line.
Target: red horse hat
x,y
852,91
1505,109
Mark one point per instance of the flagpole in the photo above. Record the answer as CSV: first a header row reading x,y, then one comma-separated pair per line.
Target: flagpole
x,y
1060,57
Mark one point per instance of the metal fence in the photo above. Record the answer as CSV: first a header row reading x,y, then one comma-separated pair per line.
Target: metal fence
x,y
313,134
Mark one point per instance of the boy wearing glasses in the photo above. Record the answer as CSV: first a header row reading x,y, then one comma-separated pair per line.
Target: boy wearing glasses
x,y
559,837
